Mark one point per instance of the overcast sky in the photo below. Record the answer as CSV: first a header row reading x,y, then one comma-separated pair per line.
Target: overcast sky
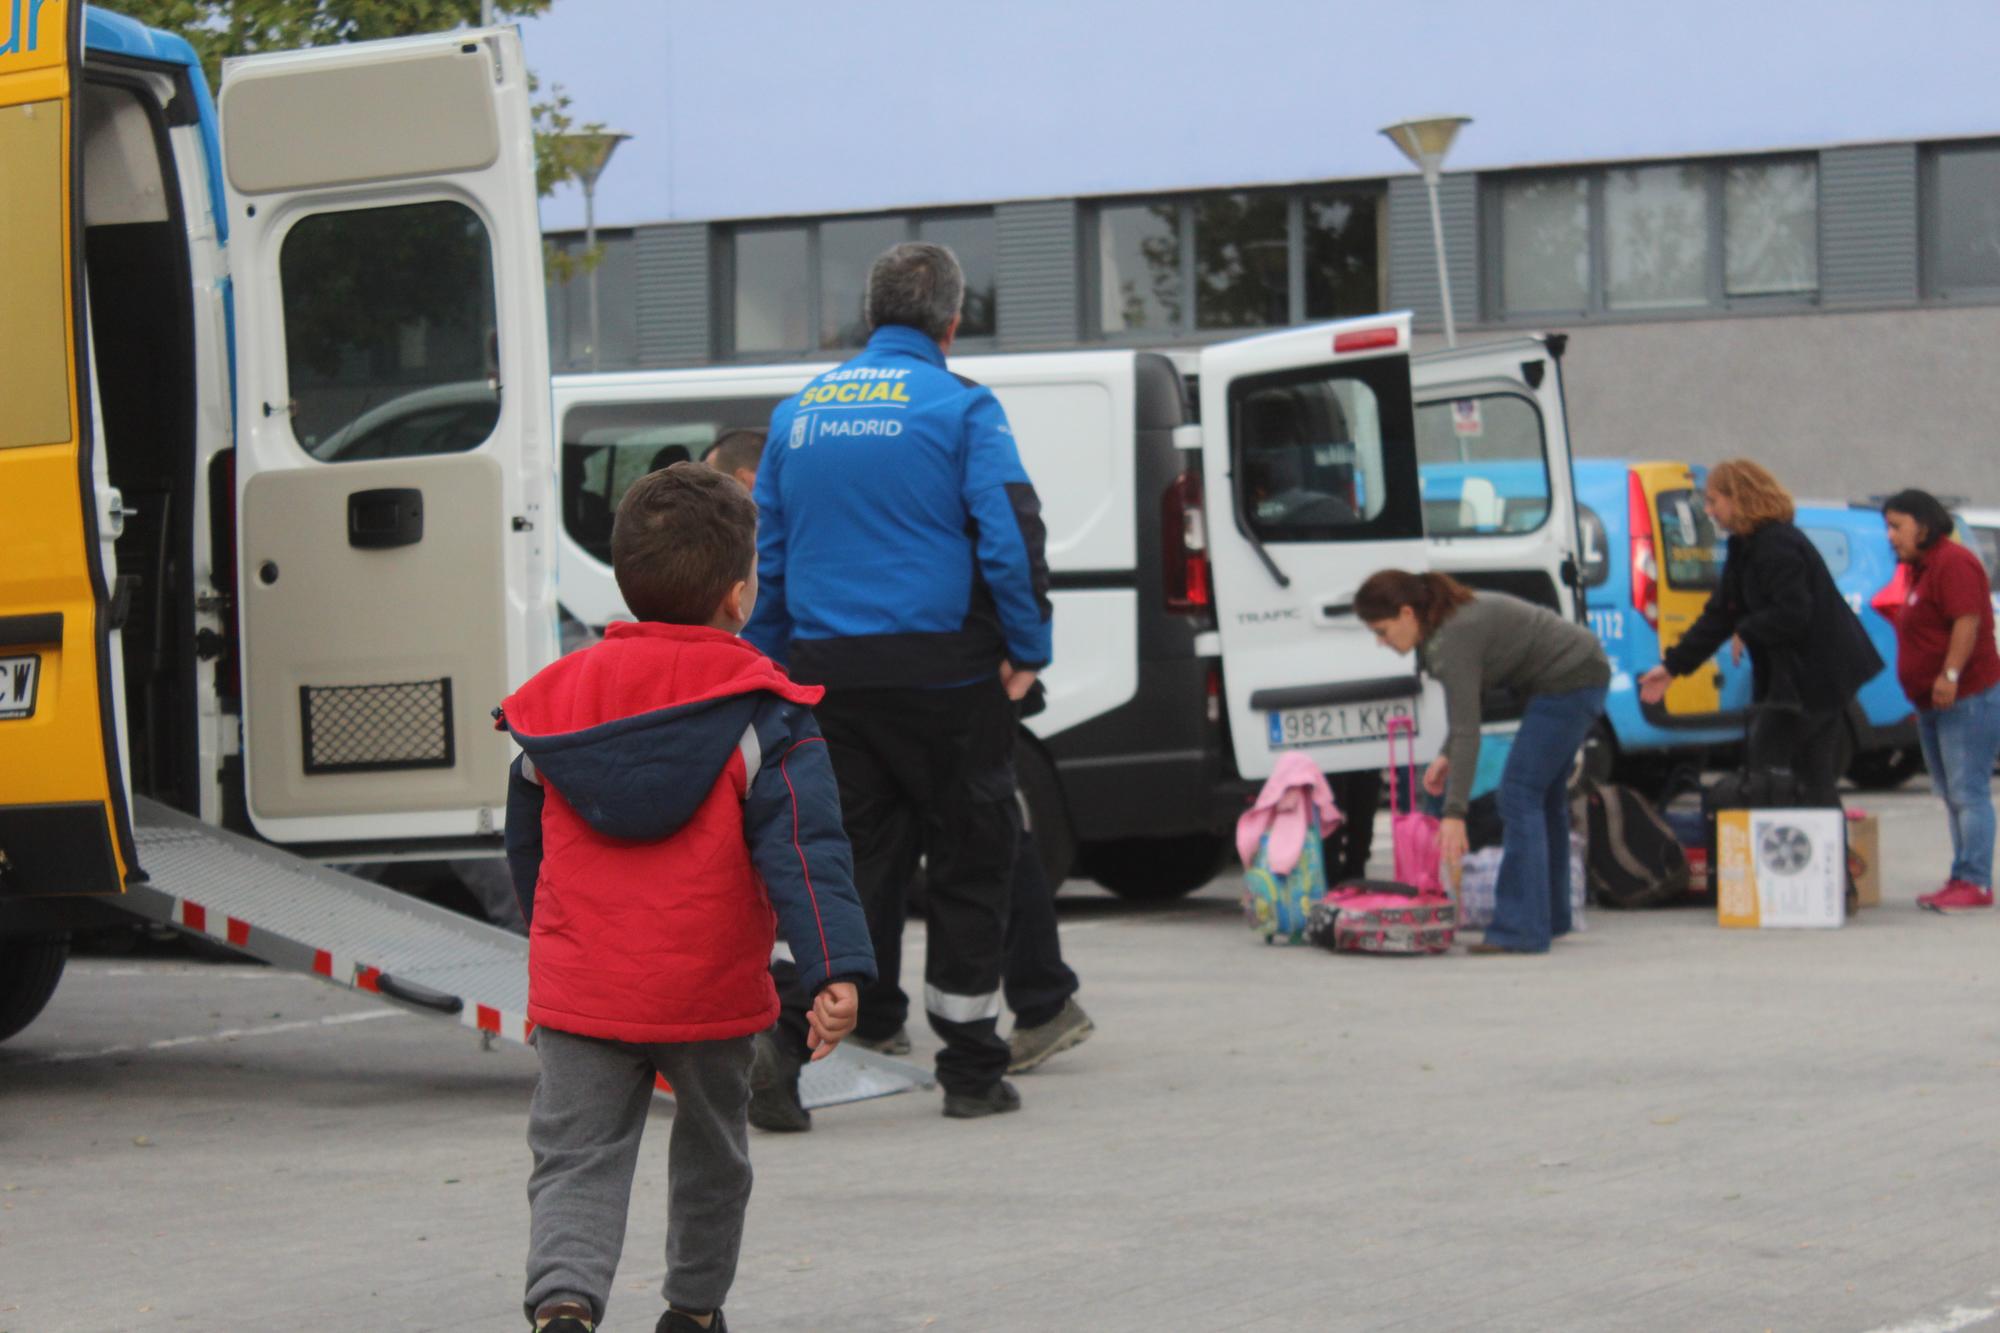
x,y
804,106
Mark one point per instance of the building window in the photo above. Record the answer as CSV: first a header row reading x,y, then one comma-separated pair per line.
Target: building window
x,y
1654,238
1234,260
617,306
1962,224
801,288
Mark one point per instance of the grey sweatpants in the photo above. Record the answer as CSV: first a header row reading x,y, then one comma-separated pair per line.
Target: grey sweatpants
x,y
584,1126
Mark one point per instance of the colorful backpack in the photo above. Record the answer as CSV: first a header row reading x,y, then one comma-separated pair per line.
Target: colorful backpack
x,y
1276,904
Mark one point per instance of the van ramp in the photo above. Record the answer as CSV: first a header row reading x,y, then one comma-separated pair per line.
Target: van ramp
x,y
303,917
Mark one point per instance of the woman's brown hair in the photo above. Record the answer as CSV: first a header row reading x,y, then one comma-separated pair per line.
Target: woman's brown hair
x,y
1758,497
1432,596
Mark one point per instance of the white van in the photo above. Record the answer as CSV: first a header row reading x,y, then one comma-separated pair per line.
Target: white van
x,y
1203,575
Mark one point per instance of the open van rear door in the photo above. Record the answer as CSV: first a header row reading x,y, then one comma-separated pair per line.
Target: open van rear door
x,y
1494,459
1309,447
393,437
65,822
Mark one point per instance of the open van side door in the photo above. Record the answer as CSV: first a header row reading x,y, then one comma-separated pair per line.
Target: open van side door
x,y
65,821
1309,448
396,554
1494,461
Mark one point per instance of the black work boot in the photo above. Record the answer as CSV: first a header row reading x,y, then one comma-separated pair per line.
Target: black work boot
x,y
683,1321
996,1100
774,1089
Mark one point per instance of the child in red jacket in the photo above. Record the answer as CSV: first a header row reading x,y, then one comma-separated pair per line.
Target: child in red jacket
x,y
672,806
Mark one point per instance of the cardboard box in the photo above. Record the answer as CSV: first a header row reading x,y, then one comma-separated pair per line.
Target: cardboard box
x,y
1864,859
1778,869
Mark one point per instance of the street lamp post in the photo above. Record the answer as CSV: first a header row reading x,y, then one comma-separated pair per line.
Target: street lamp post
x,y
594,150
1425,142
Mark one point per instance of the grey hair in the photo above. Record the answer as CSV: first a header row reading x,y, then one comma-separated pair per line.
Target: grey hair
x,y
918,284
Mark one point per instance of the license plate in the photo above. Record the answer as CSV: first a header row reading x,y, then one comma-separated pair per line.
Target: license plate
x,y
1337,724
18,679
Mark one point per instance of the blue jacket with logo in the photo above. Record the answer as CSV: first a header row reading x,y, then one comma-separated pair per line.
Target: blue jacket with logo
x,y
899,540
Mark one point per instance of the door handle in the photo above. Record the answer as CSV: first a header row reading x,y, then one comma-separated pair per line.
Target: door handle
x,y
381,520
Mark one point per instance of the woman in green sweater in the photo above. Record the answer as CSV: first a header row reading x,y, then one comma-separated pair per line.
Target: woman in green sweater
x,y
1472,643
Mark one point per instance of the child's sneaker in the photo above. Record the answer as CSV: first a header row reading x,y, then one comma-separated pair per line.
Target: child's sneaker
x,y
1957,896
680,1321
563,1317
774,1089
996,1100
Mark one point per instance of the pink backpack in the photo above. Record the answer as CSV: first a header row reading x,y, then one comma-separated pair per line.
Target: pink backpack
x,y
1415,833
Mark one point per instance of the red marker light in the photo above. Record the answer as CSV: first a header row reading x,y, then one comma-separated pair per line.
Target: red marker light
x,y
1363,340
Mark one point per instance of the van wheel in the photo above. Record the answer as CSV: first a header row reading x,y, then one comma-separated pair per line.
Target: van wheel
x,y
29,971
1042,811
1885,770
1155,869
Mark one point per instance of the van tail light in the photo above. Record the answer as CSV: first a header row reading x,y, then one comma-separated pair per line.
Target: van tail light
x,y
1645,567
1184,544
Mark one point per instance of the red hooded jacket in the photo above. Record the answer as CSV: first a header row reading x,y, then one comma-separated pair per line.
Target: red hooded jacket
x,y
672,804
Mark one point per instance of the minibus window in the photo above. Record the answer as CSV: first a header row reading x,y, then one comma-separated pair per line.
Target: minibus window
x,y
1325,455
34,335
1483,466
390,338
1689,542
608,446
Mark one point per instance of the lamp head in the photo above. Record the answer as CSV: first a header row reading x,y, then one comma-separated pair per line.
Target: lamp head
x,y
1425,142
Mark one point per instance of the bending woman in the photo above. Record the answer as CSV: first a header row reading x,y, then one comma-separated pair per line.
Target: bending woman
x,y
1808,650
1472,643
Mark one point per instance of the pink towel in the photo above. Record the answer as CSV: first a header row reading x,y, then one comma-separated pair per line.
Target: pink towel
x,y
1280,812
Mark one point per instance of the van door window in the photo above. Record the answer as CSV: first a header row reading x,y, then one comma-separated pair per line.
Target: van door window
x,y
1692,548
1326,454
390,336
1484,466
608,446
34,341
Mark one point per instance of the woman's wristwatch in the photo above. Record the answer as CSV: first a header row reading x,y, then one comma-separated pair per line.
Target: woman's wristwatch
x,y
1950,676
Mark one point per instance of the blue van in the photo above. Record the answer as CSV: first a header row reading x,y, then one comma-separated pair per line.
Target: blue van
x,y
1650,558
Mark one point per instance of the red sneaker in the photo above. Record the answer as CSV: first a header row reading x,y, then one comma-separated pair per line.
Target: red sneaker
x,y
1957,896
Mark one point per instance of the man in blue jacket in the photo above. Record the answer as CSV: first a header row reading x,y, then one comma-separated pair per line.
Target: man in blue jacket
x,y
900,551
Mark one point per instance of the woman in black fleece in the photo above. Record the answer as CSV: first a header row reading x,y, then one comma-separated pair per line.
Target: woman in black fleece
x,y
1809,653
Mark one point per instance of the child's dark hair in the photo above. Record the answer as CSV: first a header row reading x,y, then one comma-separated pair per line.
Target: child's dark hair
x,y
1926,509
683,537
1432,596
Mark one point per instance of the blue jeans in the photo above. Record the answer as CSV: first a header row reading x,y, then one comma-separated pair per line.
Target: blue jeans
x,y
1531,896
1959,746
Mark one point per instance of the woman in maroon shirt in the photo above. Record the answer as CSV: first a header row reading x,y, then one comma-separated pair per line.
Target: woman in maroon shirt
x,y
1948,667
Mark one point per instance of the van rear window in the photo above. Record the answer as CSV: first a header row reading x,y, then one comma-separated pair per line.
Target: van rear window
x,y
608,446
1690,546
1326,454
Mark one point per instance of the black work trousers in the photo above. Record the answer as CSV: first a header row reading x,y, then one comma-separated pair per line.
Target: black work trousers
x,y
930,773
1034,980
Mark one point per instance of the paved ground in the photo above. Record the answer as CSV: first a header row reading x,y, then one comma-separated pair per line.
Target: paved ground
x,y
1660,1126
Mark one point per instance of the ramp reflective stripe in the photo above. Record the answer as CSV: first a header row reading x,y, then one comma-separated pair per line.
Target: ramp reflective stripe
x,y
294,914
297,915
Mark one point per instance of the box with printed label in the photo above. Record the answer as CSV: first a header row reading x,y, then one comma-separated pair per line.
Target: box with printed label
x,y
1864,858
1780,868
